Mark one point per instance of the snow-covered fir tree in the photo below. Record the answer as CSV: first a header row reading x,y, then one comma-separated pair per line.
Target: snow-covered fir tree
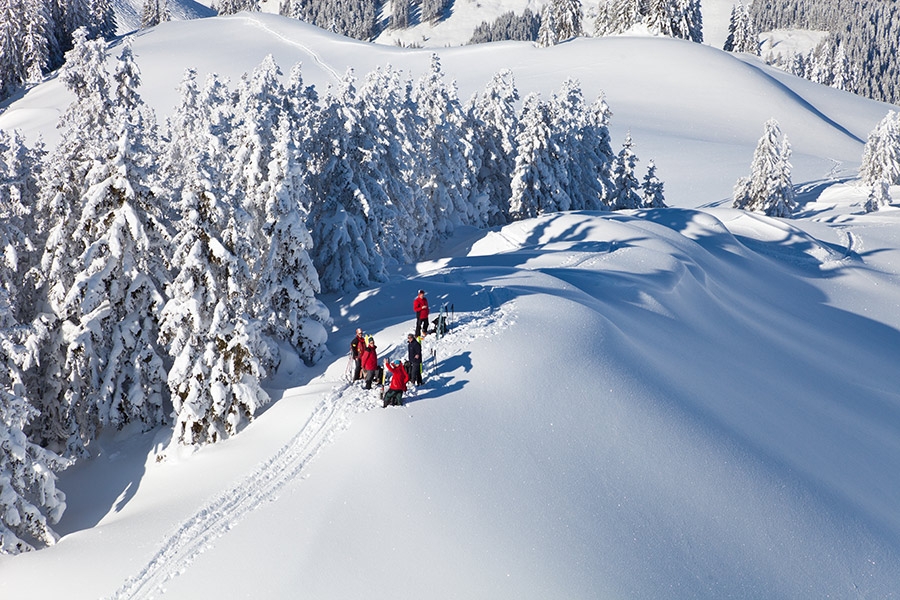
x,y
627,187
288,282
215,375
624,14
769,188
494,121
260,103
232,7
881,154
113,368
879,195
539,179
388,123
659,17
85,135
652,189
432,11
597,153
20,169
508,26
97,17
603,19
687,20
36,46
30,502
342,221
581,135
567,17
547,35
12,67
742,35
443,169
400,14
180,133
154,12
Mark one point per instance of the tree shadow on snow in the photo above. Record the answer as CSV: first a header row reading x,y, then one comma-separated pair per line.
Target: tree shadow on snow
x,y
105,483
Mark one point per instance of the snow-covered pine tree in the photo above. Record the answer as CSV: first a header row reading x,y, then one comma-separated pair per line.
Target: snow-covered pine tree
x,y
30,503
215,376
624,14
29,500
598,154
344,249
494,120
547,35
567,17
688,20
260,102
154,12
180,133
603,19
110,313
742,36
841,77
443,169
97,17
575,137
627,186
652,188
12,64
879,195
660,17
399,14
288,282
769,188
388,120
881,154
537,182
36,45
20,169
432,11
232,7
84,139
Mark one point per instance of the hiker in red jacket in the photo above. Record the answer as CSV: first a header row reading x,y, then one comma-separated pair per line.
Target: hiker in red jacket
x,y
420,306
399,379
369,362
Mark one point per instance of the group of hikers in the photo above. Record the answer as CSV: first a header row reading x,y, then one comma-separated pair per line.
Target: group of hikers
x,y
365,357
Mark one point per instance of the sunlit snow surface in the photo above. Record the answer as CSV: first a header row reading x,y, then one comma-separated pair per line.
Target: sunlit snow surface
x,y
687,403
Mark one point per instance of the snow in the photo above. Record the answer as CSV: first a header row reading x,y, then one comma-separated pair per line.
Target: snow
x,y
694,402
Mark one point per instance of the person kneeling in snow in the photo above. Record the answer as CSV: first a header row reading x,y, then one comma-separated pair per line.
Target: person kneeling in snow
x,y
399,379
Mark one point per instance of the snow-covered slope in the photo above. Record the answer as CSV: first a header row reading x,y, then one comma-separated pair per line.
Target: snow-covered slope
x,y
128,13
683,403
695,110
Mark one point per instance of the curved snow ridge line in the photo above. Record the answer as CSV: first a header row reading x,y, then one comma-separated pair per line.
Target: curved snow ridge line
x,y
222,513
256,22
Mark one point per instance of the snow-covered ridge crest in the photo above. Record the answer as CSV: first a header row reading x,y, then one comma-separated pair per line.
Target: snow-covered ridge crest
x,y
641,78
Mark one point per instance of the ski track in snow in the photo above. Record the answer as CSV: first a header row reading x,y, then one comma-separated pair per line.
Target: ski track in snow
x,y
332,415
257,23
